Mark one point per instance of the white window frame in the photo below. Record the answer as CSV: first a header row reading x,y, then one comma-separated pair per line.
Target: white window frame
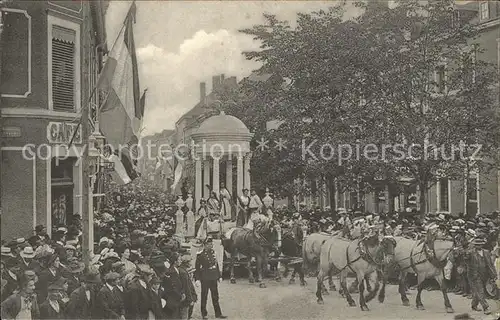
x,y
438,196
445,78
473,174
484,5
55,21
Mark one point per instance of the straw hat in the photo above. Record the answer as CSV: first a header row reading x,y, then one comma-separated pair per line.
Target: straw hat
x,y
7,252
27,252
144,268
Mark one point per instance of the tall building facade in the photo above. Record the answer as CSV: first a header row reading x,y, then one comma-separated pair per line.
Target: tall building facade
x,y
51,57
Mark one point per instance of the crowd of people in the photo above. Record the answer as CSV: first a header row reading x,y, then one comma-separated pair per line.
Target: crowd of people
x,y
141,271
138,271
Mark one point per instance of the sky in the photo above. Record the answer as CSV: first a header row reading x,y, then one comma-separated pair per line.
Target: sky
x,y
182,43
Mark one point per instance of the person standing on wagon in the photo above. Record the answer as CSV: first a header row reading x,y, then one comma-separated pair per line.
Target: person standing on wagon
x,y
207,274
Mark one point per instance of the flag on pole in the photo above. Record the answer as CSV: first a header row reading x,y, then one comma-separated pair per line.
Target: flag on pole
x,y
178,174
121,114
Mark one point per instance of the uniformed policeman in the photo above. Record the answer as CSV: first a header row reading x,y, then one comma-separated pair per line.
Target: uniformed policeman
x,y
208,274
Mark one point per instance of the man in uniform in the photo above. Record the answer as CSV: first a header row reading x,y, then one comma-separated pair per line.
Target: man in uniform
x,y
207,274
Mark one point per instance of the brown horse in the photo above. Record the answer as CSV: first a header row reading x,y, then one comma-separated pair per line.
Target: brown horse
x,y
426,259
256,243
291,246
361,256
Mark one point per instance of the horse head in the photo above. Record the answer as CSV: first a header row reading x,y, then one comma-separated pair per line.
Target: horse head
x,y
387,246
263,231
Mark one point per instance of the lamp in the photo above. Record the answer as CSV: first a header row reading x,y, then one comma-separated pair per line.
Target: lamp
x,y
268,201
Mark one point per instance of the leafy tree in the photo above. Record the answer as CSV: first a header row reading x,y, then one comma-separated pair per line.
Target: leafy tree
x,y
390,79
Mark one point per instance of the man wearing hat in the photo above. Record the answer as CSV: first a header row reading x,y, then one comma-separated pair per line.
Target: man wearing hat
x,y
138,297
175,291
59,243
50,308
27,262
207,274
41,233
479,270
83,301
110,303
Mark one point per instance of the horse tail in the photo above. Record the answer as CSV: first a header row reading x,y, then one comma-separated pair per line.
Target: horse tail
x,y
372,294
306,265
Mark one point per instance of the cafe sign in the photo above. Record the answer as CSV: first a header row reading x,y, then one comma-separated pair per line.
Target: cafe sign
x,y
62,132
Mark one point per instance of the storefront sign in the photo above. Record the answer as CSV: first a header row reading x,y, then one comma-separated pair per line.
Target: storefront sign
x,y
62,132
11,132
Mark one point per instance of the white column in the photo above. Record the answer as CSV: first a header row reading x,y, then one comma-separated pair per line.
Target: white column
x,y
198,184
215,177
246,171
239,175
206,178
229,174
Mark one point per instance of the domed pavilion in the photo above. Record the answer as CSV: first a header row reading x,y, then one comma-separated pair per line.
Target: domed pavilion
x,y
219,141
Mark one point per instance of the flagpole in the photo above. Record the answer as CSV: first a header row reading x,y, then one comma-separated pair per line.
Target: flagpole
x,y
89,101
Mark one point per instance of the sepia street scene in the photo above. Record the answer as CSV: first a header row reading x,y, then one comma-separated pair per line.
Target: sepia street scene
x,y
250,159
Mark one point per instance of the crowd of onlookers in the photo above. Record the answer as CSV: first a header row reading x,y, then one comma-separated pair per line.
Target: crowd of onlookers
x,y
129,276
137,272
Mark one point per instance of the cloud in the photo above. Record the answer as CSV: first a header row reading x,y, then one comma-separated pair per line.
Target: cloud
x,y
173,78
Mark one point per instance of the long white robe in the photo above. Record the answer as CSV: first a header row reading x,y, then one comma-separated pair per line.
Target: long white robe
x,y
225,197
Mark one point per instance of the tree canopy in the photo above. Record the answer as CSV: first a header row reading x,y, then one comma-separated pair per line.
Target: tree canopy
x,y
391,93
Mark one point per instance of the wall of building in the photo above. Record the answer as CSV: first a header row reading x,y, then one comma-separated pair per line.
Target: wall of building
x,y
25,183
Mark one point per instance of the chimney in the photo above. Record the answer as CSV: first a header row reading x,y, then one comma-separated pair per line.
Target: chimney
x,y
203,92
222,78
215,83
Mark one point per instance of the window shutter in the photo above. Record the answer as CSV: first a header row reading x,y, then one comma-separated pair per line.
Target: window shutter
x,y
63,69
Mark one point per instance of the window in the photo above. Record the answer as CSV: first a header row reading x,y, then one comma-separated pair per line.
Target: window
x,y
472,204
440,79
63,65
484,10
444,200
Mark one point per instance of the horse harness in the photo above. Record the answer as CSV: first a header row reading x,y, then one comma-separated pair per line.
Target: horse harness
x,y
430,255
364,254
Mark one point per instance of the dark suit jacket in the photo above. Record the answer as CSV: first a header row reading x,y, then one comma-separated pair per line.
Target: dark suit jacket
x,y
61,252
121,296
480,267
44,280
11,285
12,305
110,303
138,301
187,284
79,307
47,312
173,288
156,304
207,267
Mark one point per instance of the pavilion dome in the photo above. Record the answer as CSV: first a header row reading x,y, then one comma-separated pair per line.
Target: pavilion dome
x,y
222,124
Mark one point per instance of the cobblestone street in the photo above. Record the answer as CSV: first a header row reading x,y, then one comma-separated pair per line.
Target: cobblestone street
x,y
283,301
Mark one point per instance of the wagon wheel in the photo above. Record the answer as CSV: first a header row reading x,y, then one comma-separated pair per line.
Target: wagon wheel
x,y
491,289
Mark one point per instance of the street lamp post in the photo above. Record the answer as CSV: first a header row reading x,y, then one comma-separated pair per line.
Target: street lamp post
x,y
94,155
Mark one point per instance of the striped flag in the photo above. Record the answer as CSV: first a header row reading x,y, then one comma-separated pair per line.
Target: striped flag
x,y
121,114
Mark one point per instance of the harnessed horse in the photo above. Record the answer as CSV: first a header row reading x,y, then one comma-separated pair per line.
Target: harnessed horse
x,y
256,243
425,258
361,256
291,246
